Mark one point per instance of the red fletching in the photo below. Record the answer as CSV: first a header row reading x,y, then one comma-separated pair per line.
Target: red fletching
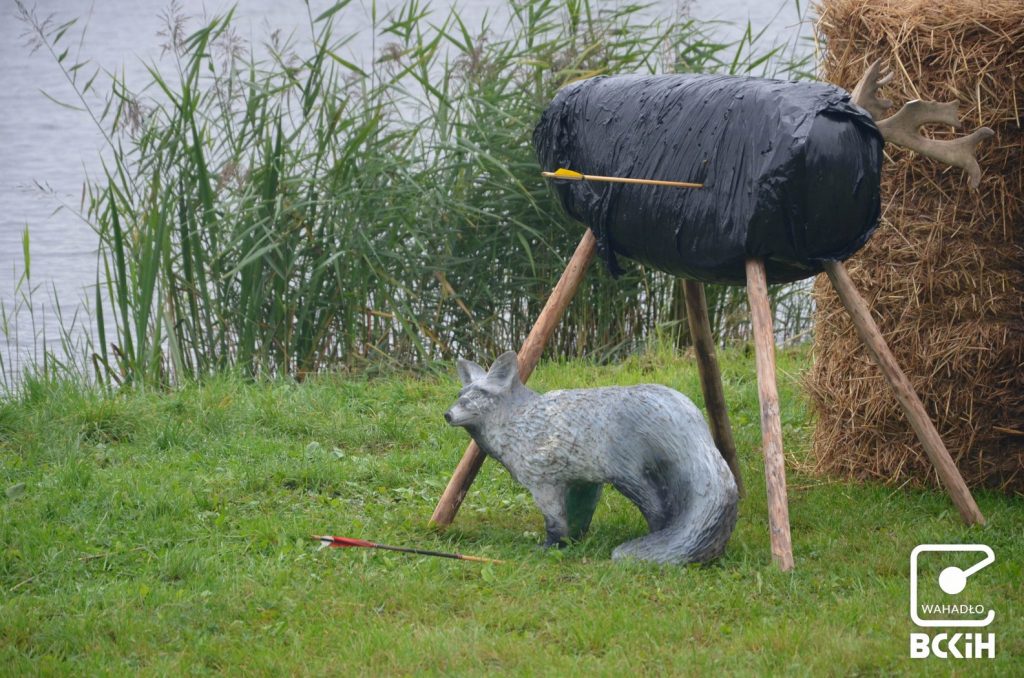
x,y
339,542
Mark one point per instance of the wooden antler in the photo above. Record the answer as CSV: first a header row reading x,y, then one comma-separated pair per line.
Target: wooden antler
x,y
865,94
903,128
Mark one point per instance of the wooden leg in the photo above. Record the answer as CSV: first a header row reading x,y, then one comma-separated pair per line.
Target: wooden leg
x,y
771,425
529,355
905,394
710,375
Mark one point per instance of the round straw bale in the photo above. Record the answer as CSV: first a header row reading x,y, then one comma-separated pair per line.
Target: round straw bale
x,y
944,272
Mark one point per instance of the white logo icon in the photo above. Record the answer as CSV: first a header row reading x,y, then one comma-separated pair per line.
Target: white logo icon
x,y
952,580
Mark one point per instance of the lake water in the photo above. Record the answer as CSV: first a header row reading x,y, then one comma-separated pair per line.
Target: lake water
x,y
47,152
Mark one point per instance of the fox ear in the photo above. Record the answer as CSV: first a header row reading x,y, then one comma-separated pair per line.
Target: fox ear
x,y
469,371
505,369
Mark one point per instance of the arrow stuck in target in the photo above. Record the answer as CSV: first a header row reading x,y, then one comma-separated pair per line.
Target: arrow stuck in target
x,y
569,175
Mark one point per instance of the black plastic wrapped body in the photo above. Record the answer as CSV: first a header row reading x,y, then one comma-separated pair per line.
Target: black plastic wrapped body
x,y
791,171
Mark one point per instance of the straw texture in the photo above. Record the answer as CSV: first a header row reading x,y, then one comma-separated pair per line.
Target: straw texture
x,y
944,273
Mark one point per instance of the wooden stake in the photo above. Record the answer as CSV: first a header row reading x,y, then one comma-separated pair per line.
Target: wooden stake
x,y
529,355
710,375
905,394
771,425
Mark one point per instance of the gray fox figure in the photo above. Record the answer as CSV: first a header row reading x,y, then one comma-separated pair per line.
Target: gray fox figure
x,y
650,442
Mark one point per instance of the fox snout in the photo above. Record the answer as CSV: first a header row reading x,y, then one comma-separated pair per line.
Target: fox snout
x,y
459,415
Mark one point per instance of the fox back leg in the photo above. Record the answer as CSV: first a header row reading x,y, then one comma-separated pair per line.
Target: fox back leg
x,y
655,487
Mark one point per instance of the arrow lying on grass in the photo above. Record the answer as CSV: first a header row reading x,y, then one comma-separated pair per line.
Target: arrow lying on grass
x,y
562,173
328,541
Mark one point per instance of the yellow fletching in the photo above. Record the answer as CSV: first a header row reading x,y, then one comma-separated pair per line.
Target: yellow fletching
x,y
563,173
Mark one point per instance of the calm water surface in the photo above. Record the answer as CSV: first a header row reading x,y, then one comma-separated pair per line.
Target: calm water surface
x,y
47,152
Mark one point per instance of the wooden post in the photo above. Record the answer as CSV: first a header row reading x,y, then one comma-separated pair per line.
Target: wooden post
x,y
905,394
710,375
771,425
529,355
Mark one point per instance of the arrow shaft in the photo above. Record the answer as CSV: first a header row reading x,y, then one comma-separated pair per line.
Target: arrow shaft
x,y
622,180
439,554
361,543
652,182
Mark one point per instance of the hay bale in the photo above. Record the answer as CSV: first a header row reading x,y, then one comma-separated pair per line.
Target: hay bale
x,y
944,272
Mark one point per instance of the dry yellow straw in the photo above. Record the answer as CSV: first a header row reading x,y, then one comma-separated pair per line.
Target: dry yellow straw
x,y
563,173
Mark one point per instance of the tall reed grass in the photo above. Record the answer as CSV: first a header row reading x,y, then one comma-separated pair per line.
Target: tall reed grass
x,y
279,209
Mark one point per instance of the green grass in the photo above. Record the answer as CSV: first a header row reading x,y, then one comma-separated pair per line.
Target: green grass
x,y
165,533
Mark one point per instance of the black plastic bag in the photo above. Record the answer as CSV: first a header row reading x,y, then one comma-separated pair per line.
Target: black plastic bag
x,y
791,171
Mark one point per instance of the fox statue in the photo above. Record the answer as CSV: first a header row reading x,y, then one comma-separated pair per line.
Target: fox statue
x,y
650,442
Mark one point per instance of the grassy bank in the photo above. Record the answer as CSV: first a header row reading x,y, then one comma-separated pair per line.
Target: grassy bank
x,y
166,533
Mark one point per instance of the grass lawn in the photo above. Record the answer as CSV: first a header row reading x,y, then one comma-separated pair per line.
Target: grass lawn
x,y
167,533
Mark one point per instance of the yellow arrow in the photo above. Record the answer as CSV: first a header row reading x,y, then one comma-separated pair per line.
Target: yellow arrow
x,y
562,173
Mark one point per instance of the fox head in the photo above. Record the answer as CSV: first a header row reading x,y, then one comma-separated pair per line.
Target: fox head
x,y
484,392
